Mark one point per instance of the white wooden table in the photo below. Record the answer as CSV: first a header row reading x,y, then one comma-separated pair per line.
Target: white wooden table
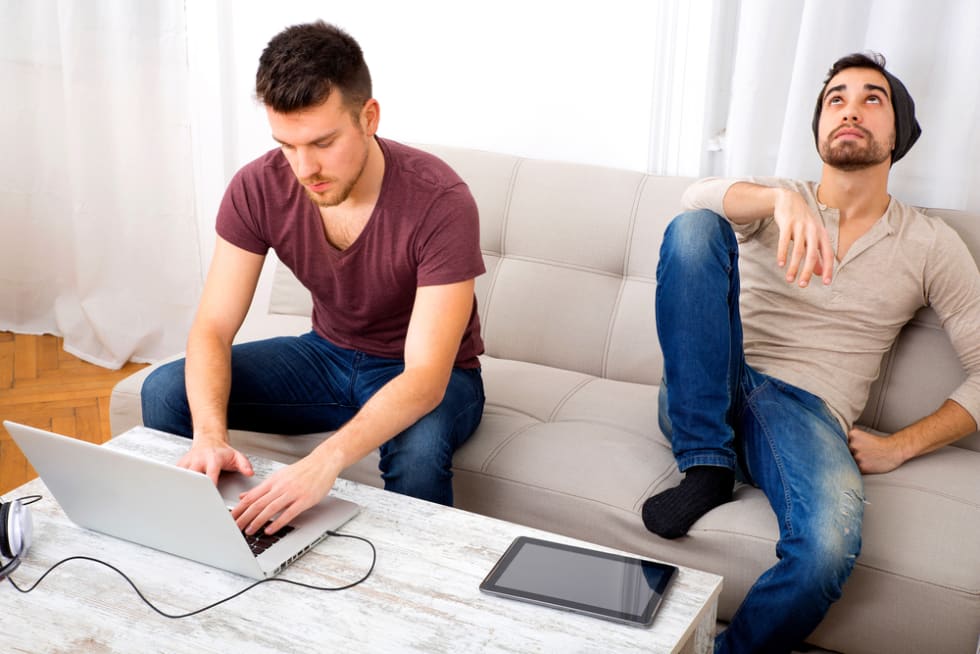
x,y
422,597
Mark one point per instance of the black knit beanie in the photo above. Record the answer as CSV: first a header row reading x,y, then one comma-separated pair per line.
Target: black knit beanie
x,y
907,128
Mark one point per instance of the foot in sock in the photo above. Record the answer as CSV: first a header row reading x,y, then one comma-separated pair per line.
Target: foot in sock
x,y
671,513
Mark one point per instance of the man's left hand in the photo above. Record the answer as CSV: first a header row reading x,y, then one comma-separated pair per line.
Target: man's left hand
x,y
874,454
287,492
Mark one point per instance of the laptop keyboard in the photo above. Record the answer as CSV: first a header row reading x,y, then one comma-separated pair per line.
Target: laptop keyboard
x,y
261,541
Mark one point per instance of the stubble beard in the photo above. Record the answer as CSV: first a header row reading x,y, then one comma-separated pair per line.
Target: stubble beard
x,y
336,196
850,155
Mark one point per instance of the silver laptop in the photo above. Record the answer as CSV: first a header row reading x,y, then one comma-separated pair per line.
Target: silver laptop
x,y
165,507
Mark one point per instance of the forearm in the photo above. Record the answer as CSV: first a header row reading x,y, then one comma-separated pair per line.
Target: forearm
x,y
948,424
745,202
876,454
208,380
396,406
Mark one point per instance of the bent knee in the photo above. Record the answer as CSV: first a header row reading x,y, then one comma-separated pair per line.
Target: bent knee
x,y
163,399
698,225
698,234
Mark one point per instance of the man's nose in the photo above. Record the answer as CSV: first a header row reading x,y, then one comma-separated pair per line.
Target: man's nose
x,y
306,163
853,114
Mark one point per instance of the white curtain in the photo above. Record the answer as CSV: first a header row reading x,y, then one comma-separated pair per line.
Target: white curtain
x,y
783,50
107,203
98,239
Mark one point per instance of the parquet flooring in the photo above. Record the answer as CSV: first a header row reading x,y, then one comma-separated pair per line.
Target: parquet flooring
x,y
43,386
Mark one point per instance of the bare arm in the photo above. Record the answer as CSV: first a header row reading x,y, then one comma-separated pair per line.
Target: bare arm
x,y
875,454
746,202
439,318
228,292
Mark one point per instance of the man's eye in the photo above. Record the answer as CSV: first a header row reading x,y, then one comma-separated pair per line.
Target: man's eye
x,y
835,100
323,146
874,99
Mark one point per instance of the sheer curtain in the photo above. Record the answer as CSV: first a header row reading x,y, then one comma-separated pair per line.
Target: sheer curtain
x,y
98,239
781,55
107,203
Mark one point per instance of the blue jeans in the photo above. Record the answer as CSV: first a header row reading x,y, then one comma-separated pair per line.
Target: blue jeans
x,y
716,410
306,384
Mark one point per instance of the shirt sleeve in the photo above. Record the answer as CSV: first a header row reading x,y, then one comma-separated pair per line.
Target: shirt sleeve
x,y
448,243
708,193
238,220
953,291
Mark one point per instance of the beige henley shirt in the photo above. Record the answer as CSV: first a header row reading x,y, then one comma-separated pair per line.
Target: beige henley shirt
x,y
830,340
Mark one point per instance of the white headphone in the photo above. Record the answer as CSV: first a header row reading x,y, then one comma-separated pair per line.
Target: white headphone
x,y
15,534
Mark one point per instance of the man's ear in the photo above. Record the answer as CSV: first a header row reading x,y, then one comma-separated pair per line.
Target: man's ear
x,y
370,117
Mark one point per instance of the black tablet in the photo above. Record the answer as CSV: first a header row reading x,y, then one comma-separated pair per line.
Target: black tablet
x,y
619,588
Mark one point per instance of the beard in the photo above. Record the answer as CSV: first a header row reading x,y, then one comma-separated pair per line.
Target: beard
x,y
334,196
341,191
854,155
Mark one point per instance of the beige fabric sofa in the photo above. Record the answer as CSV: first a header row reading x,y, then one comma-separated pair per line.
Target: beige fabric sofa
x,y
569,441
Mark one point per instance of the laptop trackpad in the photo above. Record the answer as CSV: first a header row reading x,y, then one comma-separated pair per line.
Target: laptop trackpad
x,y
231,485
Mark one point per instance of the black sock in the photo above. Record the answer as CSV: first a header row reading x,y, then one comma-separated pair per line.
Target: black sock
x,y
671,513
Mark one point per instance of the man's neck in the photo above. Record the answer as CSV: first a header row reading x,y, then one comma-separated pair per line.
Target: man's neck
x,y
857,194
367,189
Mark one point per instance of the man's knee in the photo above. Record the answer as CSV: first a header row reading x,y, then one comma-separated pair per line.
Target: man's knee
x,y
692,228
426,443
826,557
418,462
163,397
695,242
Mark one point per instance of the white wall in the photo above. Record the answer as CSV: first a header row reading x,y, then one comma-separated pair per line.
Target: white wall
x,y
571,81
562,80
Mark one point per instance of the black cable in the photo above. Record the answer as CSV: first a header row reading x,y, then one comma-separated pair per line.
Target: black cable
x,y
374,559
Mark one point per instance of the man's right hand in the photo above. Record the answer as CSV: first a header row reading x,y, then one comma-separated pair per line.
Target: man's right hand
x,y
812,251
213,456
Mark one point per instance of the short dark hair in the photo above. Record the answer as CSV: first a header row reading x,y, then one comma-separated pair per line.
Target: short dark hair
x,y
302,65
907,128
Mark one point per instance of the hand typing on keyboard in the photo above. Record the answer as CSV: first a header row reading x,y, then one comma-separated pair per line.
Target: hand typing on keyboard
x,y
284,495
261,541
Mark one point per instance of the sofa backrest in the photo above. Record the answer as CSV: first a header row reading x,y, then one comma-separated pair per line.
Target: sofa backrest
x,y
571,253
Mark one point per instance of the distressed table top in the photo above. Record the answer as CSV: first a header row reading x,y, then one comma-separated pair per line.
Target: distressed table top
x,y
422,597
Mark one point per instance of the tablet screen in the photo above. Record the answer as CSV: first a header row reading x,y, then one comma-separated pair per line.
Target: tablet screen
x,y
620,588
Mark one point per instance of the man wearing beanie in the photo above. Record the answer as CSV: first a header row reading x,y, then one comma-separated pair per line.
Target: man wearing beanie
x,y
776,300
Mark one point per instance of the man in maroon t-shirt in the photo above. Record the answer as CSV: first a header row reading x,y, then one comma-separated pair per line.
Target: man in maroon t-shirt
x,y
386,238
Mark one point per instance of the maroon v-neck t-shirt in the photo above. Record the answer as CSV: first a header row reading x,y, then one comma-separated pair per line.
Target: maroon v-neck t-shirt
x,y
424,231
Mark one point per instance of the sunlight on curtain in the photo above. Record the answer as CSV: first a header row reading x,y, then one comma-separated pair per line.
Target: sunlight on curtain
x,y
98,239
784,49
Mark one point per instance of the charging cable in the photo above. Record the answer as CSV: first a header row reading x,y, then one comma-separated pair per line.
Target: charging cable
x,y
374,559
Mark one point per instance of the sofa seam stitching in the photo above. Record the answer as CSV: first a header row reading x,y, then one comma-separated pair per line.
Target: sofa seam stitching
x,y
926,491
572,391
610,328
511,184
495,451
607,423
552,490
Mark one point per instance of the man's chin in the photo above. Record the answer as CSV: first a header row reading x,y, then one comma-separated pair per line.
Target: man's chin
x,y
324,199
852,161
853,166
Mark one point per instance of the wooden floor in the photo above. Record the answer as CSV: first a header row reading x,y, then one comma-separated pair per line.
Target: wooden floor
x,y
43,386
